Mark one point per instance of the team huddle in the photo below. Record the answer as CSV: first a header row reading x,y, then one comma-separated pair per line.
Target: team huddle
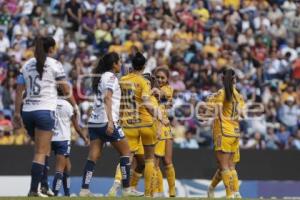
x,y
131,113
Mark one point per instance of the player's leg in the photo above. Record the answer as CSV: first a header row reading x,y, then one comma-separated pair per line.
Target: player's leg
x,y
44,182
138,167
224,160
42,141
235,159
217,178
66,178
123,148
148,136
159,151
94,154
169,167
60,164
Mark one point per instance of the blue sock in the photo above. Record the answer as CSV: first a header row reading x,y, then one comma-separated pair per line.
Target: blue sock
x,y
88,174
66,184
36,176
44,181
125,170
57,182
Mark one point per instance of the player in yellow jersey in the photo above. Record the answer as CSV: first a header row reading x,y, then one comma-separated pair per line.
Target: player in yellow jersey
x,y
162,77
137,115
227,106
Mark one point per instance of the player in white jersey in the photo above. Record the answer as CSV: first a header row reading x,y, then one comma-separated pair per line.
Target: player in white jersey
x,y
40,77
103,122
61,144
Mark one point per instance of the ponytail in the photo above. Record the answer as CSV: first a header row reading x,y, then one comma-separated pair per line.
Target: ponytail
x,y
40,56
42,46
228,81
105,64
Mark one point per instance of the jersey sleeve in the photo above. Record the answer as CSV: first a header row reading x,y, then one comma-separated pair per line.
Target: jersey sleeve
x,y
109,82
215,98
146,89
59,71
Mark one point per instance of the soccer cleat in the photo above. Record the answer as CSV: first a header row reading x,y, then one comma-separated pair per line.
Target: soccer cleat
x,y
158,195
138,193
172,193
114,190
37,194
47,191
86,193
211,192
237,195
128,192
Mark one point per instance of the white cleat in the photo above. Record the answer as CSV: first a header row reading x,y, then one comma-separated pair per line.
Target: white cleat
x,y
211,192
114,189
37,194
158,195
47,192
237,195
137,193
129,192
86,193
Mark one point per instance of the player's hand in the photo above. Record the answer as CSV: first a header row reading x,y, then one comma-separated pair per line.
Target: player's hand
x,y
86,140
110,128
17,121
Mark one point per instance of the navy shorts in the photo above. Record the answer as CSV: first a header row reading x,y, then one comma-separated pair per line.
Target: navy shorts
x,y
40,119
98,131
61,147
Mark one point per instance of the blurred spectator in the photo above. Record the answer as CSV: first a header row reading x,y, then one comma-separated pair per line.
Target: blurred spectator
x,y
271,139
189,142
255,142
283,137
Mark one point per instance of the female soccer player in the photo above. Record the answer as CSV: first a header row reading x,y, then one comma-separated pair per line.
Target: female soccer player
x,y
162,77
227,104
40,76
103,123
61,142
137,115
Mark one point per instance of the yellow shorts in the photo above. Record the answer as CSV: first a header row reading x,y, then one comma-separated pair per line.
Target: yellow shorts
x,y
226,144
166,133
146,134
140,150
236,156
160,148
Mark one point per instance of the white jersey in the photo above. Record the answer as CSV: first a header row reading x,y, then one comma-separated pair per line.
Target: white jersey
x,y
41,94
108,82
64,113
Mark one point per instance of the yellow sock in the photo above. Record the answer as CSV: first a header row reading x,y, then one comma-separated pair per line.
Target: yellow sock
x,y
148,173
154,182
216,179
134,180
118,175
160,185
228,182
170,173
236,185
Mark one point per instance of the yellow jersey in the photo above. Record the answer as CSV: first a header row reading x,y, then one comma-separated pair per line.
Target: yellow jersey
x,y
166,102
227,113
133,113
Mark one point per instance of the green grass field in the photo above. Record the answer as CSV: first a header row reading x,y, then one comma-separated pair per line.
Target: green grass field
x,y
94,198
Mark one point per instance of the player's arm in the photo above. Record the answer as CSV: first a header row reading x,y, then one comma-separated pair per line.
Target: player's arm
x,y
79,130
108,109
17,122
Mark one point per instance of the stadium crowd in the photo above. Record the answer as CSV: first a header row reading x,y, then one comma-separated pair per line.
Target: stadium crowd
x,y
193,38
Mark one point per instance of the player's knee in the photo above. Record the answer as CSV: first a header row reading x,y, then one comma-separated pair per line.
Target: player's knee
x,y
167,160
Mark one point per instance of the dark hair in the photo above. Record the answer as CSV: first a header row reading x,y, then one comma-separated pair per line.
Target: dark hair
x,y
105,64
228,81
152,80
165,70
138,61
42,46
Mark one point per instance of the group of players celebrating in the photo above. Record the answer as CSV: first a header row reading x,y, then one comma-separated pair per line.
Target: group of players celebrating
x,y
130,113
